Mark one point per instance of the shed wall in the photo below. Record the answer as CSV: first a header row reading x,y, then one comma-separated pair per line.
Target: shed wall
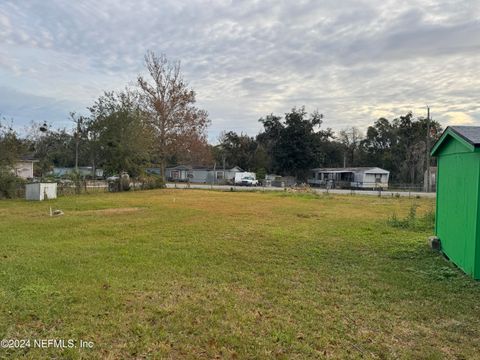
x,y
457,203
41,191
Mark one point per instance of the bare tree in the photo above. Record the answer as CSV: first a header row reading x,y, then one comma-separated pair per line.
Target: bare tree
x,y
413,165
351,138
169,103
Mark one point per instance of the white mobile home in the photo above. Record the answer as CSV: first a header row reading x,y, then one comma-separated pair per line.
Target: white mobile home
x,y
185,173
82,170
355,177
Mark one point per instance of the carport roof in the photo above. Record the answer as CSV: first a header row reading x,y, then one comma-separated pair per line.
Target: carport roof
x,y
352,169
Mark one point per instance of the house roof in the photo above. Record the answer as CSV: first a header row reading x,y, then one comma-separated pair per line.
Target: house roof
x,y
353,169
235,168
27,160
204,168
468,135
178,167
29,157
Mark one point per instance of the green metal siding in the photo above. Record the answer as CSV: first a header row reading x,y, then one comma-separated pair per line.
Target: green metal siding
x,y
476,274
451,146
458,203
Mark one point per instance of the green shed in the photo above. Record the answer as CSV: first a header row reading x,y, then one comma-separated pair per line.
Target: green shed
x,y
457,223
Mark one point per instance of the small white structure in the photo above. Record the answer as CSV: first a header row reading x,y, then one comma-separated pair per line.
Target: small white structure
x,y
41,191
433,179
24,168
358,177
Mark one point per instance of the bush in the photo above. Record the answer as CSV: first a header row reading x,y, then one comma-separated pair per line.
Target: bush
x,y
76,177
152,182
9,184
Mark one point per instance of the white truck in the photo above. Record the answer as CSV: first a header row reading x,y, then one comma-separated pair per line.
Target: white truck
x,y
245,179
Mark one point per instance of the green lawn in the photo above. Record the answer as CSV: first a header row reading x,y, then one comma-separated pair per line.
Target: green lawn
x,y
204,274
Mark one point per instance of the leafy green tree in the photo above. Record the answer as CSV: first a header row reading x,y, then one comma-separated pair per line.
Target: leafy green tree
x,y
236,150
11,149
295,145
267,139
329,152
52,148
295,151
400,146
121,133
261,173
11,146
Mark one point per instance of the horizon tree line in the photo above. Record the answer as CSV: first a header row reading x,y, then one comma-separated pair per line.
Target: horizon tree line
x,y
157,124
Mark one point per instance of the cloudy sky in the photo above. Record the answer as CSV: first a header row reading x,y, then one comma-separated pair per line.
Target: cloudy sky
x,y
352,60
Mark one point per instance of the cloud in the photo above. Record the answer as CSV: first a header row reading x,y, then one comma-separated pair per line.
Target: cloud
x,y
32,108
351,60
459,118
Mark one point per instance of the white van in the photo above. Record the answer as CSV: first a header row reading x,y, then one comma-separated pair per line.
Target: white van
x,y
245,179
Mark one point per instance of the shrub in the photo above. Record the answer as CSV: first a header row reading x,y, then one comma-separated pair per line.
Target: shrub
x,y
152,182
76,177
9,184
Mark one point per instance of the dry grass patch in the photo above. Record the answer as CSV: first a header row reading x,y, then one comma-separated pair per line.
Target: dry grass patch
x,y
205,274
112,211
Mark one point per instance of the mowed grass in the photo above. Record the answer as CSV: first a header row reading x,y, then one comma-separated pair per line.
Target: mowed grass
x,y
204,274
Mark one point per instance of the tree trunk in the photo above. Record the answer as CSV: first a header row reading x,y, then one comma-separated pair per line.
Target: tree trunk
x,y
163,165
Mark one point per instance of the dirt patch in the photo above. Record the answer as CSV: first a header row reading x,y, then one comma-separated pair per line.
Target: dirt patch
x,y
113,211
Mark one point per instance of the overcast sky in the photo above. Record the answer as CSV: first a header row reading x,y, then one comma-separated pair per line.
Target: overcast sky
x,y
354,61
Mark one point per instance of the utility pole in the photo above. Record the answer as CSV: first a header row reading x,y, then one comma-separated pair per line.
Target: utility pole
x,y
77,140
428,149
214,173
78,121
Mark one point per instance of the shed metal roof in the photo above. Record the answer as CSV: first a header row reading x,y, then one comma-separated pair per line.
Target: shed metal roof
x,y
469,133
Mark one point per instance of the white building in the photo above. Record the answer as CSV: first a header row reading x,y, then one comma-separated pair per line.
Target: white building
x,y
84,171
24,168
41,191
433,179
185,173
354,177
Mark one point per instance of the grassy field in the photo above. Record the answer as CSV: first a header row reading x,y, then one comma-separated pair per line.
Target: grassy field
x,y
203,274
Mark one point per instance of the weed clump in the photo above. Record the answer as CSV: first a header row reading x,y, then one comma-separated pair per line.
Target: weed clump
x,y
412,221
